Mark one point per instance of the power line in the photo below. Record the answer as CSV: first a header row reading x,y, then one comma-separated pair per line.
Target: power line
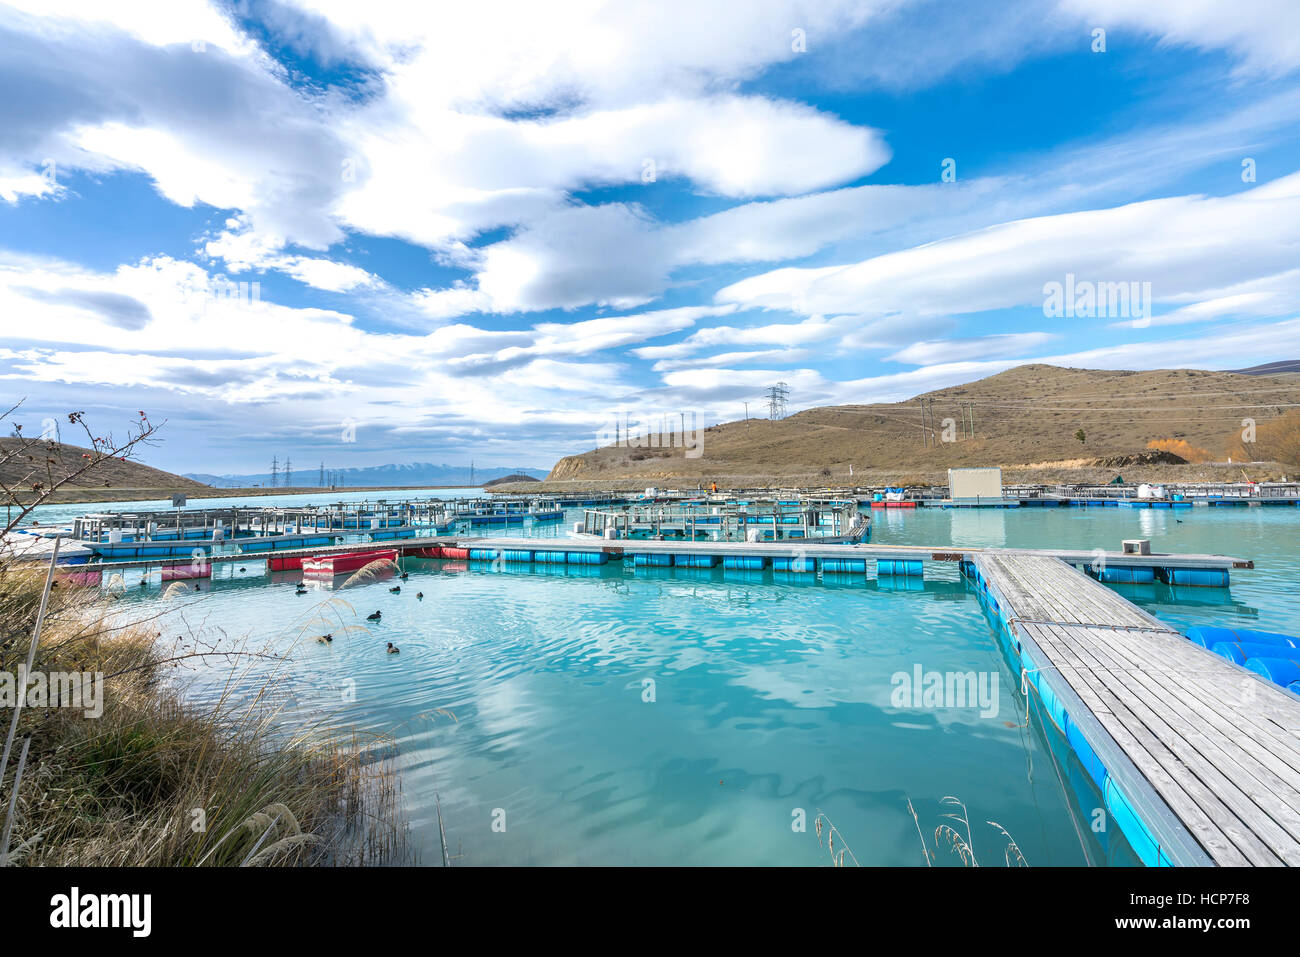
x,y
777,398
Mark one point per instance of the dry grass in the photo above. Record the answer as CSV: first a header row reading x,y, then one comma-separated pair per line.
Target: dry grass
x,y
838,855
958,838
1275,441
108,474
159,781
1182,448
1029,414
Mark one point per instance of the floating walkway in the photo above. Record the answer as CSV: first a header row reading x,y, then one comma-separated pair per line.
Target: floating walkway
x,y
797,555
811,555
1198,760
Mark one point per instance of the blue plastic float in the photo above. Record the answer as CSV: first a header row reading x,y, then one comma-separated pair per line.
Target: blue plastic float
x,y
1240,652
845,565
695,561
1282,671
1127,576
899,566
1268,653
1208,635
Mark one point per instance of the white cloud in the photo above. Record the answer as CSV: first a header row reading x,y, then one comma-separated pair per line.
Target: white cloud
x,y
513,54
151,326
1186,247
976,347
16,183
1271,295
326,274
1263,34
727,359
156,22
617,254
434,157
244,249
208,125
811,330
487,117
430,157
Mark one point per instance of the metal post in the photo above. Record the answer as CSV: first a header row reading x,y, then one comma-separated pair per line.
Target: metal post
x,y
13,804
31,658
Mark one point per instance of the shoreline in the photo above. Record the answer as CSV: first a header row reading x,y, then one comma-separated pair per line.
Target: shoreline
x,y
1048,474
1208,473
78,496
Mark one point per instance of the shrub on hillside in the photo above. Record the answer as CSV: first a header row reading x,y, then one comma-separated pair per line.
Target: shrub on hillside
x,y
1182,448
1275,441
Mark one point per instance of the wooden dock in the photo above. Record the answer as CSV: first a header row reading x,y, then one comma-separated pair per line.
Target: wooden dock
x,y
1206,754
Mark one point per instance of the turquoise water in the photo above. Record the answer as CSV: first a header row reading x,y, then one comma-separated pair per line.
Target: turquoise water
x,y
772,697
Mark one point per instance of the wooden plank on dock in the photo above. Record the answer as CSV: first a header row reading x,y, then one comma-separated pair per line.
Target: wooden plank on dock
x,y
1215,746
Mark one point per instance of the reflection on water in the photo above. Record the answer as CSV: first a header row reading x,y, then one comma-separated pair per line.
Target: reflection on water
x,y
979,526
769,694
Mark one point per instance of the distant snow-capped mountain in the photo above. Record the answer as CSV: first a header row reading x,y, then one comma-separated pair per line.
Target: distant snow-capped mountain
x,y
412,474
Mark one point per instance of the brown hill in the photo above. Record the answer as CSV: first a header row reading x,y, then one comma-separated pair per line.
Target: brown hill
x,y
1025,419
511,478
62,459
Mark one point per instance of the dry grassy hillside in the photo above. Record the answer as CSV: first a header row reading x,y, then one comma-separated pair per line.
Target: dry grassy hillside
x,y
62,459
1026,417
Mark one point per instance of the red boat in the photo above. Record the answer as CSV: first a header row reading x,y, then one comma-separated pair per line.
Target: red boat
x,y
347,562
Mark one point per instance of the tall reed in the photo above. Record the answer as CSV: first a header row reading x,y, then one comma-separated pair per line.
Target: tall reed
x,y
159,779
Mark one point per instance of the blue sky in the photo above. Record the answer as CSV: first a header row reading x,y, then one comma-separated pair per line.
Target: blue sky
x,y
484,232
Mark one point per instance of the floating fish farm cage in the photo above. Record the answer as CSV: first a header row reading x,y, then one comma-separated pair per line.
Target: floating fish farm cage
x,y
822,520
477,514
502,510
168,533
